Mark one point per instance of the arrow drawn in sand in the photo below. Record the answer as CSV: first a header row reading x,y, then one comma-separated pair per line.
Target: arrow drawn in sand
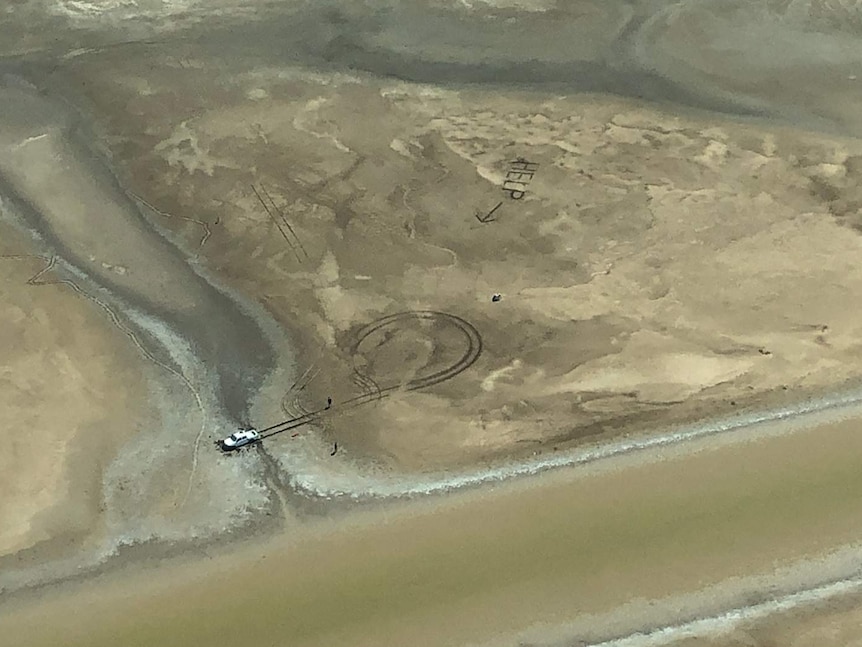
x,y
489,217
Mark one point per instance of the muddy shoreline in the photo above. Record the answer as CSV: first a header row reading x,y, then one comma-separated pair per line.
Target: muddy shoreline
x,y
238,356
338,541
308,496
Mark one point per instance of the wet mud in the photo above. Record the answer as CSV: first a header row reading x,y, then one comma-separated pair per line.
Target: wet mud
x,y
102,232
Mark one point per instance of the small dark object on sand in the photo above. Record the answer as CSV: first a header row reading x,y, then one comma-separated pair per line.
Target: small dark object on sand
x,y
328,402
496,298
334,449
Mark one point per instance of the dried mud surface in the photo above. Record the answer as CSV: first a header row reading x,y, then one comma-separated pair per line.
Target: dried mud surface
x,y
245,210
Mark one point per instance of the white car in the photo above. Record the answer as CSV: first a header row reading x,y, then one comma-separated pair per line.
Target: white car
x,y
239,438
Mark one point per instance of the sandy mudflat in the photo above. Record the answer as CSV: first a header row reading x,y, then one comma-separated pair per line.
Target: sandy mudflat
x,y
72,395
262,206
658,268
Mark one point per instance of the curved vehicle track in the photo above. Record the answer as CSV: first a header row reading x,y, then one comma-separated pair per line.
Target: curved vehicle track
x,y
473,349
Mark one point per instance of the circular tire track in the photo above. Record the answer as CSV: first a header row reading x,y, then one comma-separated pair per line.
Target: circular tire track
x,y
471,353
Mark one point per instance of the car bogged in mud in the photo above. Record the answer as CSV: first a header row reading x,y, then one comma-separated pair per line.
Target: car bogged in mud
x,y
239,439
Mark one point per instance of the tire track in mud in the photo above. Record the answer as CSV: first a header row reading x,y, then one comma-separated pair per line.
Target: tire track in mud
x,y
36,280
287,403
473,350
366,384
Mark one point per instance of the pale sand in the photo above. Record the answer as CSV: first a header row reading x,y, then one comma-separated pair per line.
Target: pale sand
x,y
71,393
488,563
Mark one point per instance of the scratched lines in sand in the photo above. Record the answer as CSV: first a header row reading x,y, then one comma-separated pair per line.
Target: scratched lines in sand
x,y
281,222
203,225
518,177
